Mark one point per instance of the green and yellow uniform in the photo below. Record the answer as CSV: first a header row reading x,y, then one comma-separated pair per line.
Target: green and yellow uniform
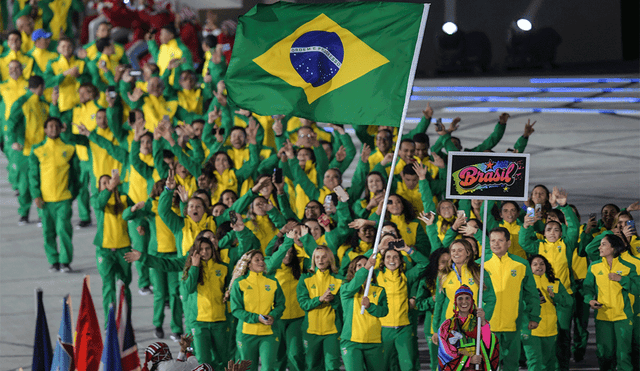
x,y
163,54
112,242
10,91
361,337
118,57
25,60
53,168
26,127
515,291
161,244
252,295
289,328
537,343
560,256
321,325
614,320
57,18
41,57
184,229
68,85
425,302
205,302
397,332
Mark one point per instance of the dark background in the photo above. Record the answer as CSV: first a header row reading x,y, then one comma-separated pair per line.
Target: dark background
x,y
598,36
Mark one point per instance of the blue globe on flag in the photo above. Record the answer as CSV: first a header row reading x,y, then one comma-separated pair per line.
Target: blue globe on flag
x,y
317,56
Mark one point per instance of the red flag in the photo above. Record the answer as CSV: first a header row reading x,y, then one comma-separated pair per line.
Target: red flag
x,y
126,339
88,335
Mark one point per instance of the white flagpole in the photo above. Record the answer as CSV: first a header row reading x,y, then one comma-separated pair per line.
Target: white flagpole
x,y
484,241
412,74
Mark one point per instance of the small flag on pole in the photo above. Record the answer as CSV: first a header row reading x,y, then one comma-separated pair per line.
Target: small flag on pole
x,y
111,351
126,339
63,355
42,350
88,333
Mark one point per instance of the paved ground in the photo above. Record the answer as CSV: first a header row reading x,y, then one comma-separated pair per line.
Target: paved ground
x,y
594,156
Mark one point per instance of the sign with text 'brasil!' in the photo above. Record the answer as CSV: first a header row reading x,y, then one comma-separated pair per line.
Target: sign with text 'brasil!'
x,y
488,176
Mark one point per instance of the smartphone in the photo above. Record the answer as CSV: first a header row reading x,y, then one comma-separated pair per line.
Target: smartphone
x,y
165,117
263,317
111,91
56,88
135,73
396,244
342,194
531,212
632,223
103,63
461,214
439,126
324,220
592,216
538,207
278,174
327,202
542,298
132,117
233,217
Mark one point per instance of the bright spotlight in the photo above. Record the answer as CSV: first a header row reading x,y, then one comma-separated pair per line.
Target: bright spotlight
x,y
449,28
524,24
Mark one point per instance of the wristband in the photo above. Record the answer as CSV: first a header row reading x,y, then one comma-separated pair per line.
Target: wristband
x,y
410,251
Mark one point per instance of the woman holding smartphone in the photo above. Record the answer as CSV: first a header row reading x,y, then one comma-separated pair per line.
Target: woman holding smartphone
x,y
609,282
552,295
257,302
318,295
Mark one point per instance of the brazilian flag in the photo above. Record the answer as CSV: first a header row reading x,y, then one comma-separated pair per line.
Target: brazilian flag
x,y
348,63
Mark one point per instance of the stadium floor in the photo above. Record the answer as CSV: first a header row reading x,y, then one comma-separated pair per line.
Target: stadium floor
x,y
587,146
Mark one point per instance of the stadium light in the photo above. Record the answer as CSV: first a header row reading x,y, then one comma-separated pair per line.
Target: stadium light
x,y
524,24
449,28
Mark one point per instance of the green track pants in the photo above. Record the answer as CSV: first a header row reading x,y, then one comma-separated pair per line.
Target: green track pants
x,y
260,350
210,343
166,288
140,243
84,208
113,267
510,345
290,351
361,356
12,168
613,342
563,340
56,222
538,351
433,348
322,352
24,198
398,348
580,323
